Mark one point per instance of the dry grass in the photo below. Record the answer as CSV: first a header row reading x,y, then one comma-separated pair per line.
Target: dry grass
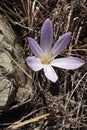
x,y
66,100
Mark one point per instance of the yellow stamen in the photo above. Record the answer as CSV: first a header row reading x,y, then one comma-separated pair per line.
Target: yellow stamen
x,y
45,60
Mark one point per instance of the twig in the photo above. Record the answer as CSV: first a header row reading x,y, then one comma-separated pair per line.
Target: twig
x,y
17,124
78,34
75,89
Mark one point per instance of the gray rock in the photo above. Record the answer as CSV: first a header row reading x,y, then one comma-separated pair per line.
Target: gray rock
x,y
14,84
5,62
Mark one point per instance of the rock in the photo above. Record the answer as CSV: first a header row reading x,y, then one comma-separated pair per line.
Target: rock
x,y
5,84
13,81
6,36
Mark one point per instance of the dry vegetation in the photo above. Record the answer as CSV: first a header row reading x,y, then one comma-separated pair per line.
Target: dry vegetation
x,y
49,106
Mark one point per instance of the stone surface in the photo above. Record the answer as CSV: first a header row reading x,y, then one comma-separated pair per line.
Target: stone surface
x,y
5,62
14,84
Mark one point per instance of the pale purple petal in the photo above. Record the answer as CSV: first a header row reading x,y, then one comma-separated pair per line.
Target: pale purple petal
x,y
68,63
34,63
46,35
50,73
35,48
61,43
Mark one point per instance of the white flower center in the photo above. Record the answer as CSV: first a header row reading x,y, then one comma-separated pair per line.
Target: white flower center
x,y
46,59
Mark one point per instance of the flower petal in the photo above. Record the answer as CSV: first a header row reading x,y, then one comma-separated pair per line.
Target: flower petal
x,y
34,63
50,73
46,36
68,63
35,48
61,43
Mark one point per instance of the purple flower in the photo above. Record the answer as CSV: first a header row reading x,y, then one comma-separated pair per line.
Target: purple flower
x,y
45,54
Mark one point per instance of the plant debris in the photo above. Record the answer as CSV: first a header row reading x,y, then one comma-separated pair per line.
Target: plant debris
x,y
46,105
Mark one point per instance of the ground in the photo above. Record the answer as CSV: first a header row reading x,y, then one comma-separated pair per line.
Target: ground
x,y
34,102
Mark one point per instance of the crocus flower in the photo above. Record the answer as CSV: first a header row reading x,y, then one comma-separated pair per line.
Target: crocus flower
x,y
45,54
